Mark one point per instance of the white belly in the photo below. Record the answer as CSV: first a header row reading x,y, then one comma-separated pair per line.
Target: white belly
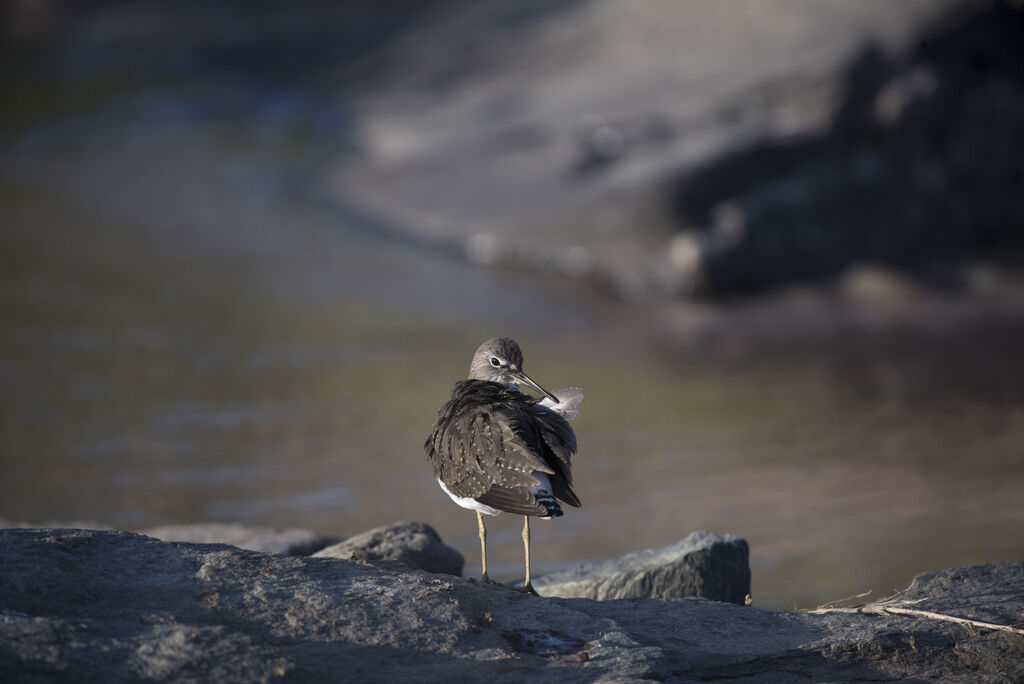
x,y
469,502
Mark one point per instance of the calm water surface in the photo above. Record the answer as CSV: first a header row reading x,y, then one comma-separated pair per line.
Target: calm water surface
x,y
185,338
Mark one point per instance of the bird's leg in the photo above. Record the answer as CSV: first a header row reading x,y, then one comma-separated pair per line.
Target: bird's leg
x,y
483,546
527,585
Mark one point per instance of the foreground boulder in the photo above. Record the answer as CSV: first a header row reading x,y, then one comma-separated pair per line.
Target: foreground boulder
x,y
290,541
415,544
707,565
114,606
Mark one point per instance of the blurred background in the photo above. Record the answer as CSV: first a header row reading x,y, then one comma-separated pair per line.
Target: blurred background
x,y
247,247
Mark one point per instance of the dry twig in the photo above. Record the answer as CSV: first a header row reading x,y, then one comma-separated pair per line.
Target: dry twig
x,y
832,604
888,608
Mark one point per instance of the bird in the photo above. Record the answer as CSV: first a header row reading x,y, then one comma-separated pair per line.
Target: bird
x,y
494,449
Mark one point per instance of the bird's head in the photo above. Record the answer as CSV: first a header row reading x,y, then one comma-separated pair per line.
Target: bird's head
x,y
500,360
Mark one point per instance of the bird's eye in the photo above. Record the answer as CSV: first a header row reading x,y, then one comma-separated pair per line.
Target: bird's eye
x,y
495,361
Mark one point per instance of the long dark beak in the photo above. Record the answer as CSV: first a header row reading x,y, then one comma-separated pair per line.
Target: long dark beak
x,y
525,379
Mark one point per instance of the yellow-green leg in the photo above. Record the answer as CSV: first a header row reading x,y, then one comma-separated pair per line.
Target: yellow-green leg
x,y
527,585
483,546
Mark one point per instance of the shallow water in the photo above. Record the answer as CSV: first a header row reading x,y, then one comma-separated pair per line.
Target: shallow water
x,y
186,338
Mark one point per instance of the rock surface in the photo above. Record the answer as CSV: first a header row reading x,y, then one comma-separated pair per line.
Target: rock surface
x,y
114,606
415,544
707,565
289,541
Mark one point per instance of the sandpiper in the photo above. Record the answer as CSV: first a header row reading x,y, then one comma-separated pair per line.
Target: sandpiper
x,y
494,449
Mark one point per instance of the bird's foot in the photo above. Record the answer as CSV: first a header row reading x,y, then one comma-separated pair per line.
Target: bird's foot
x,y
528,589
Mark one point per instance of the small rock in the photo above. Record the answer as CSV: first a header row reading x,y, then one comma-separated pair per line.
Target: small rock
x,y
287,541
416,544
713,566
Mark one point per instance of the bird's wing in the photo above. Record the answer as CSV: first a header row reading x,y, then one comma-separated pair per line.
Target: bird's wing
x,y
474,448
559,437
512,500
560,444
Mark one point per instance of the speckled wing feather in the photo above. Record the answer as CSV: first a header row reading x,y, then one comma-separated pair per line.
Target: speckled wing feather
x,y
474,447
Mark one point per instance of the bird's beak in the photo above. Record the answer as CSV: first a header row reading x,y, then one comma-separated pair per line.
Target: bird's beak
x,y
525,379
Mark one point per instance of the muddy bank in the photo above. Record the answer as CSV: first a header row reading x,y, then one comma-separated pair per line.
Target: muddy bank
x,y
661,149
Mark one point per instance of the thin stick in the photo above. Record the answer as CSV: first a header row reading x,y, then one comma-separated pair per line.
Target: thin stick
x,y
832,604
888,609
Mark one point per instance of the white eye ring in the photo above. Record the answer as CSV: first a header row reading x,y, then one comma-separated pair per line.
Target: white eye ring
x,y
495,361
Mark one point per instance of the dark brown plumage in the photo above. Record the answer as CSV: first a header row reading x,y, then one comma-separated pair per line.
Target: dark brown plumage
x,y
489,440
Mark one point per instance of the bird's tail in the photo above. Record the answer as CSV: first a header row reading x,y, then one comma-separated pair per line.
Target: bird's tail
x,y
542,494
550,504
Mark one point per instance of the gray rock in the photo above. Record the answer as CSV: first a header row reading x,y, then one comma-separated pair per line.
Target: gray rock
x,y
117,607
415,544
713,566
289,541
